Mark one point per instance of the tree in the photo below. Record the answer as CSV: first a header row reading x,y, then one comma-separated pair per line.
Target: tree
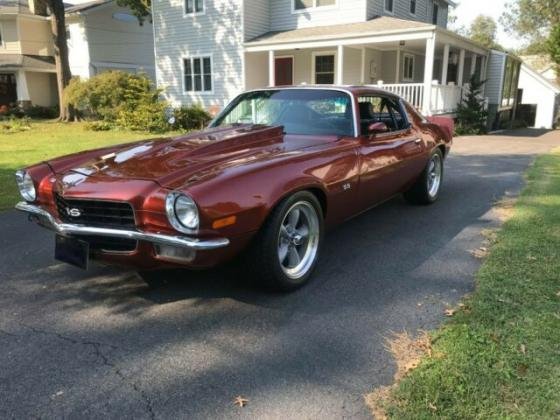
x,y
63,74
483,30
553,44
140,8
471,113
531,19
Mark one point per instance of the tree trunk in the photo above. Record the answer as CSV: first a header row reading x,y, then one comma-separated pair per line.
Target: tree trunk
x,y
63,74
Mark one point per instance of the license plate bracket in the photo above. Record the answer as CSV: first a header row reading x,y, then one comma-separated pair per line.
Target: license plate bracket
x,y
72,251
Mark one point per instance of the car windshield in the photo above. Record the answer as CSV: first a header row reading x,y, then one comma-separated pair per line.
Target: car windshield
x,y
300,111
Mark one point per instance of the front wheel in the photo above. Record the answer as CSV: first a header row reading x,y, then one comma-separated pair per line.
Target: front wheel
x,y
427,188
285,252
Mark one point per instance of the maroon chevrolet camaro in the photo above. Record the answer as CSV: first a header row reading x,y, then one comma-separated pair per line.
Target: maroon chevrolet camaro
x,y
272,171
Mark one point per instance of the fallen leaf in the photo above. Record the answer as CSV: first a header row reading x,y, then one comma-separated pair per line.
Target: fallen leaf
x,y
450,312
523,349
558,294
432,407
240,401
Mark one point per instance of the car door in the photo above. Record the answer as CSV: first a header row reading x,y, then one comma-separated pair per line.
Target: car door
x,y
391,160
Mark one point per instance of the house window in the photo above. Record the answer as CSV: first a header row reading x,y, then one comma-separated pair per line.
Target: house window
x,y
312,4
389,6
408,73
324,69
413,7
435,14
197,74
194,6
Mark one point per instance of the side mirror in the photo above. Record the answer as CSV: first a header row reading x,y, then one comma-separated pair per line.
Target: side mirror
x,y
377,127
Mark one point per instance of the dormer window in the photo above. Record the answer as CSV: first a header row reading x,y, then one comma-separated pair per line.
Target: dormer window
x,y
302,5
194,7
389,6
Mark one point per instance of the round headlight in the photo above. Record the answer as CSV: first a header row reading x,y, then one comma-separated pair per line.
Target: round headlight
x,y
26,186
182,212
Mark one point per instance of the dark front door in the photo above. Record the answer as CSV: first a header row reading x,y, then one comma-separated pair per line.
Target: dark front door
x,y
284,71
8,93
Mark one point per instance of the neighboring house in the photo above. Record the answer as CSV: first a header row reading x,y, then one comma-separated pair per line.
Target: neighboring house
x,y
543,65
541,94
501,90
27,70
103,36
208,51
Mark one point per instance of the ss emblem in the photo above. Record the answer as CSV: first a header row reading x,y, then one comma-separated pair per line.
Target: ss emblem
x,y
73,212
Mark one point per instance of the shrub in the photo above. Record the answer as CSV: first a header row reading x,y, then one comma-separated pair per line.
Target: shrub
x,y
99,126
191,118
144,117
107,94
37,111
471,113
15,125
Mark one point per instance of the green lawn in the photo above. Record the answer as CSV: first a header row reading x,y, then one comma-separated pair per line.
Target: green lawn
x,y
46,140
499,355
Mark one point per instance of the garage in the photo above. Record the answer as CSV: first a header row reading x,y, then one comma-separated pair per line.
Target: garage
x,y
540,97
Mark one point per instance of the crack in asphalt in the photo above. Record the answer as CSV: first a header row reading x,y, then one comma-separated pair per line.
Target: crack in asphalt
x,y
100,355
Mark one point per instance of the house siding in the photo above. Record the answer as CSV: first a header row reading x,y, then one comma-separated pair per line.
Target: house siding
x,y
495,76
424,9
35,36
115,42
256,18
218,33
346,11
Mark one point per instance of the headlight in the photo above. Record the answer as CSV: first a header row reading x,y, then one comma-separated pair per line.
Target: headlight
x,y
26,186
182,212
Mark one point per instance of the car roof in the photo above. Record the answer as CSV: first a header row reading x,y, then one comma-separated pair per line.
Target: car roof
x,y
354,90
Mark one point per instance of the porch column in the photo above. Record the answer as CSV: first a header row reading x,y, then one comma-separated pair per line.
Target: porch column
x,y
445,65
461,70
473,63
483,67
271,69
363,73
22,90
428,74
398,66
340,65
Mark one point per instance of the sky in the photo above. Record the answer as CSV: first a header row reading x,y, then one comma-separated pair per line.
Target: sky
x,y
467,10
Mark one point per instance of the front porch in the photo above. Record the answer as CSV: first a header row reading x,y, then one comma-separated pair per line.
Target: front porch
x,y
428,66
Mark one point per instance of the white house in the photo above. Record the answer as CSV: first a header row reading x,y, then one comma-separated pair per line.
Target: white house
x,y
208,51
103,36
541,93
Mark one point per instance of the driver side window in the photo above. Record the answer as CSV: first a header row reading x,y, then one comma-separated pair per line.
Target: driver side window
x,y
381,109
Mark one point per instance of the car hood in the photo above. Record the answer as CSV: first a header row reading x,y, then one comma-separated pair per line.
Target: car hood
x,y
179,161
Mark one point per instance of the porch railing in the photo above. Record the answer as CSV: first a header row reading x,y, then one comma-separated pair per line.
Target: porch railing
x,y
444,98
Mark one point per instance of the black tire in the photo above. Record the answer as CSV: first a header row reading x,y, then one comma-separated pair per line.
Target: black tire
x,y
263,256
154,278
421,193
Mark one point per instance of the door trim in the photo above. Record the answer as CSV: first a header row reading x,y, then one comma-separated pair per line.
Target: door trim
x,y
293,67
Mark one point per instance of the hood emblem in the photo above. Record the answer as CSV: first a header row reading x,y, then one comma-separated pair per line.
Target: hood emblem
x,y
73,212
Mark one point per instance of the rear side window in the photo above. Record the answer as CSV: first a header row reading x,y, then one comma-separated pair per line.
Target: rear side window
x,y
382,109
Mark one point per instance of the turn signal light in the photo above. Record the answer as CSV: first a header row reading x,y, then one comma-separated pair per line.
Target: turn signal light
x,y
226,221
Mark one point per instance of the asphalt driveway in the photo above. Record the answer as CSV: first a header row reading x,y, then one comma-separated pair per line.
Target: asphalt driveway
x,y
102,344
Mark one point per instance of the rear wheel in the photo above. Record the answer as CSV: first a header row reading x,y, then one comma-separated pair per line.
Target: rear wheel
x,y
286,250
427,188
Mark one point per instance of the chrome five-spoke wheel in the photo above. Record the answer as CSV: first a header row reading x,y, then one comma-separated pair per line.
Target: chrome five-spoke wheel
x,y
434,175
298,239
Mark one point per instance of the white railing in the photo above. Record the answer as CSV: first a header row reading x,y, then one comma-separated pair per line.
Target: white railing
x,y
411,92
445,99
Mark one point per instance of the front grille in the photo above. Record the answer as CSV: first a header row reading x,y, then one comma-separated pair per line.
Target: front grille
x,y
103,243
95,213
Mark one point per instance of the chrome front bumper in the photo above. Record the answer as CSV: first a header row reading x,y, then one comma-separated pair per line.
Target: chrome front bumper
x,y
48,221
